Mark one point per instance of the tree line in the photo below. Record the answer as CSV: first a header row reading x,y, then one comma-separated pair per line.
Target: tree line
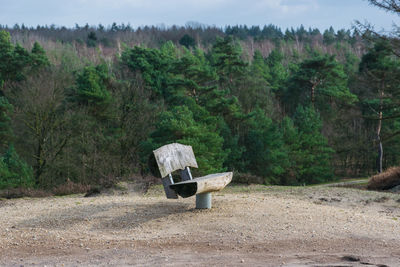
x,y
188,35
295,118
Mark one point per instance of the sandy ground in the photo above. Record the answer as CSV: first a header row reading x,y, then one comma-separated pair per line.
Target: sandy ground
x,y
248,226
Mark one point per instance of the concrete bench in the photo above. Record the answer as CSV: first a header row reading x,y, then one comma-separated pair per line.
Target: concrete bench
x,y
174,157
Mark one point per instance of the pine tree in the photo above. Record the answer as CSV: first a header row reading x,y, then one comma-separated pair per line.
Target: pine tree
x,y
38,57
91,39
264,154
187,41
152,64
329,36
16,62
6,57
92,87
277,72
14,172
178,125
380,75
253,90
226,58
312,154
6,132
317,81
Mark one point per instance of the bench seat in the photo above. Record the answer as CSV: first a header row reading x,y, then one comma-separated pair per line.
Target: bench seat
x,y
204,184
177,157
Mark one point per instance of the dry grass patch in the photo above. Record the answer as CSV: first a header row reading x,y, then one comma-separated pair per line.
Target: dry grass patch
x,y
23,192
70,187
385,180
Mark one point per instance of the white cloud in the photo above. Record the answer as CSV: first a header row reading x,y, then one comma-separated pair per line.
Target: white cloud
x,y
289,6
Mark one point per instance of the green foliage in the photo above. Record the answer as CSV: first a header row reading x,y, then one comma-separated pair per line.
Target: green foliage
x,y
178,125
151,63
187,41
38,57
380,74
329,36
277,72
14,172
226,58
16,61
317,81
90,122
351,64
6,132
6,56
232,147
253,90
291,145
259,66
92,86
380,97
91,39
21,60
378,59
264,154
310,153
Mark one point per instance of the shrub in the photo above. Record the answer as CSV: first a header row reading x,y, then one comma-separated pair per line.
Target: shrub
x,y
14,172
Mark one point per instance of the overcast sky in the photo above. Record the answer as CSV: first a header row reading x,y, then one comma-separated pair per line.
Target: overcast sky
x,y
283,13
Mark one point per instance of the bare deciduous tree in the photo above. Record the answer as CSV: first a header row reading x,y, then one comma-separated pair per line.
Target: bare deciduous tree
x,y
41,115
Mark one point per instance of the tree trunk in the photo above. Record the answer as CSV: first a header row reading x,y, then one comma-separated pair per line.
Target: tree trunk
x,y
313,95
315,82
380,156
378,132
39,162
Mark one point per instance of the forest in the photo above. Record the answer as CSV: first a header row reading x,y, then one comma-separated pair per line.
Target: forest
x,y
89,104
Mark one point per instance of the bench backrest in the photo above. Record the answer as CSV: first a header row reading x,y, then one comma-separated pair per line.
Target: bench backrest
x,y
174,157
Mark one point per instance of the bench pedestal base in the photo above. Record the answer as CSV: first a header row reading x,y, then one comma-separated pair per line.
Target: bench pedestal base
x,y
203,201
